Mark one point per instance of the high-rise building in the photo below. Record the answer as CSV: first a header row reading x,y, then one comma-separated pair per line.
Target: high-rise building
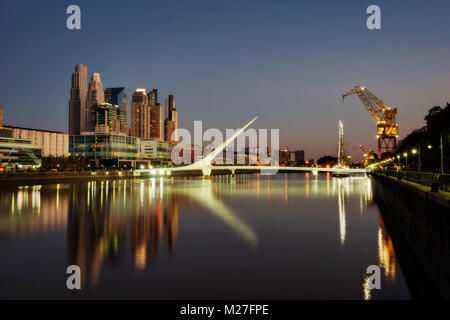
x,y
119,97
153,97
109,118
297,156
140,114
171,121
78,100
156,120
96,97
156,116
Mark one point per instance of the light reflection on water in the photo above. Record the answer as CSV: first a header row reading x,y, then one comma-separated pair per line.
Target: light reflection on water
x,y
288,236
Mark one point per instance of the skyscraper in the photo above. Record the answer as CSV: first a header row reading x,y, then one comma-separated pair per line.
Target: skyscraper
x,y
78,100
153,97
109,118
156,116
171,122
140,114
119,97
96,97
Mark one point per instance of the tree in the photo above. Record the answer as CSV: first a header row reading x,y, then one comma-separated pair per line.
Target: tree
x,y
327,161
426,140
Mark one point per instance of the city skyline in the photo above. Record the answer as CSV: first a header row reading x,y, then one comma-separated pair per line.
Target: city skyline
x,y
218,152
274,57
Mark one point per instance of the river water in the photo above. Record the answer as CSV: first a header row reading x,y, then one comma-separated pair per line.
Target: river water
x,y
289,236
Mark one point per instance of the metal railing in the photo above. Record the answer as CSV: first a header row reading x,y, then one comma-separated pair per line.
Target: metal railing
x,y
423,178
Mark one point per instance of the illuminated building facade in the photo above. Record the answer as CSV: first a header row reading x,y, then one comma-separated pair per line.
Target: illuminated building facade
x,y
110,150
109,118
156,116
140,114
95,97
171,121
78,100
19,152
119,97
157,151
52,143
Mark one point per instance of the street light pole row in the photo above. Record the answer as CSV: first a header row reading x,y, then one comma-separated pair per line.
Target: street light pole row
x,y
414,151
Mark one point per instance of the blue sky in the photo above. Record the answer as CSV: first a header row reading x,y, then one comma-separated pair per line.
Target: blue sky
x,y
286,61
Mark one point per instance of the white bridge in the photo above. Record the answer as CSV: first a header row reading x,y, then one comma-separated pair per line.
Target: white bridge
x,y
205,166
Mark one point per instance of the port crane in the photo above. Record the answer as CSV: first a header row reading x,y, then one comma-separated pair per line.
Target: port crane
x,y
368,154
384,118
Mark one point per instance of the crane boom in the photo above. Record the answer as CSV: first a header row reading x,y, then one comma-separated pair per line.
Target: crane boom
x,y
368,154
383,116
364,149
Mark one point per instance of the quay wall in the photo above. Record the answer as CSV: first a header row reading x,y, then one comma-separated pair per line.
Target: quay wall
x,y
423,217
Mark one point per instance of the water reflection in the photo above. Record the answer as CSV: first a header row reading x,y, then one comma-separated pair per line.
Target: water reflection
x,y
100,220
342,189
386,259
110,223
32,209
386,254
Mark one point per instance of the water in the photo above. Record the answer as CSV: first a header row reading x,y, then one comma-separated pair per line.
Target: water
x,y
290,236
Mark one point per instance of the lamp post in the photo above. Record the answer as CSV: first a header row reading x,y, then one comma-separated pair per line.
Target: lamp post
x,y
420,161
406,162
414,151
429,146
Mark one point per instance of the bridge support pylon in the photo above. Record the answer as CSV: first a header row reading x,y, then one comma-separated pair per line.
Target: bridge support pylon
x,y
206,172
315,173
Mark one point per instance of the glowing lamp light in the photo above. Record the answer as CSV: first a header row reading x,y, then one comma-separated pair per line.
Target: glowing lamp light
x,y
414,151
429,146
405,154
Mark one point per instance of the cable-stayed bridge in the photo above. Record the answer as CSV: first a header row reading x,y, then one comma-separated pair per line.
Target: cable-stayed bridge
x,y
205,165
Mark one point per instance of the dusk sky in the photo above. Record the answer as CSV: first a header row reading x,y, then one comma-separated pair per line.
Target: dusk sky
x,y
287,62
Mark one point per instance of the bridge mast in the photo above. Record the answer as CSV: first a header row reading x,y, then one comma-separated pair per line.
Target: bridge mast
x,y
341,155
